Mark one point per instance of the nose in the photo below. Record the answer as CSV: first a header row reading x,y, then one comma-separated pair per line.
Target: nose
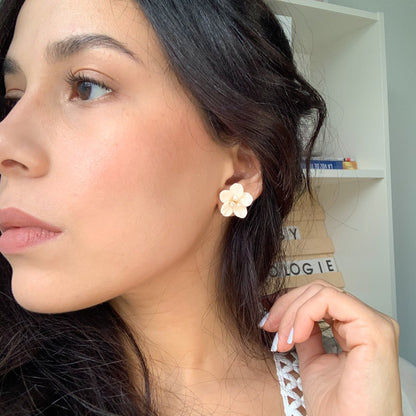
x,y
22,152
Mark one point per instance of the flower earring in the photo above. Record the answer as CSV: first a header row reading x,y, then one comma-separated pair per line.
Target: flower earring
x,y
235,201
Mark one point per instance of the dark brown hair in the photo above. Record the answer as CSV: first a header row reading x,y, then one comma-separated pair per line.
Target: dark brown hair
x,y
234,59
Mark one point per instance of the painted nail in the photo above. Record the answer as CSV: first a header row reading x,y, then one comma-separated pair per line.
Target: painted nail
x,y
290,338
263,321
275,342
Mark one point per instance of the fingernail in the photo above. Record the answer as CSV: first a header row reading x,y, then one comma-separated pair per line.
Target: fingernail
x,y
263,321
290,338
275,342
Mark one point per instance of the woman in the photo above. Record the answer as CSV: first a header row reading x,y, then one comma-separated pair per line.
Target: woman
x,y
135,136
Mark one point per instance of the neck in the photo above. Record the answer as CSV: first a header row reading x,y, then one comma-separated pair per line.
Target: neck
x,y
177,320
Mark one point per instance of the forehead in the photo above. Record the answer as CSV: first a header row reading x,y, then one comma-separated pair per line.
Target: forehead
x,y
42,22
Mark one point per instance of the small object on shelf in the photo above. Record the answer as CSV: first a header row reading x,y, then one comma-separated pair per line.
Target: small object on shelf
x,y
338,163
349,163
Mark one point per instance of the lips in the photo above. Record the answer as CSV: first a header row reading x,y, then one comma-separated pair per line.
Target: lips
x,y
21,231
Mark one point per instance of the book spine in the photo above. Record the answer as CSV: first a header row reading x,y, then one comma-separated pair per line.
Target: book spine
x,y
325,164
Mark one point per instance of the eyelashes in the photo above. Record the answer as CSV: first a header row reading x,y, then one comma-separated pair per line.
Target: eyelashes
x,y
86,88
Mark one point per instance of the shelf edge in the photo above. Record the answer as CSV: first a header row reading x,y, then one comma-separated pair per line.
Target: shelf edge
x,y
330,7
348,174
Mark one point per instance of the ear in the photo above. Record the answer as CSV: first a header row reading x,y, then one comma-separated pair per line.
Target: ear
x,y
246,172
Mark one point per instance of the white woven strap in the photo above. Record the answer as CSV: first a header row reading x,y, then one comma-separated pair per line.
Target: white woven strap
x,y
287,367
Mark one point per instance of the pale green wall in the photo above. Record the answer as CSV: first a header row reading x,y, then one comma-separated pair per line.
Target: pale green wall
x,y
400,30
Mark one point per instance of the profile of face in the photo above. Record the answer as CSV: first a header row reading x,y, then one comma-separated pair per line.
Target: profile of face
x,y
106,147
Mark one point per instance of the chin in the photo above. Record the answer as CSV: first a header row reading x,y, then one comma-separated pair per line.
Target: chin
x,y
44,299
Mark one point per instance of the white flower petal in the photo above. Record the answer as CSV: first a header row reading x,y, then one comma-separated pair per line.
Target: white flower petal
x,y
240,211
226,210
237,190
246,199
226,196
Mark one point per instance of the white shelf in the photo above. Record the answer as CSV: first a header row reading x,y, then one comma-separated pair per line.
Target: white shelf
x,y
348,174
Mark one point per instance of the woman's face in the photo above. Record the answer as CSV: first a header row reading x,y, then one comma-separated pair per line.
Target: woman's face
x,y
105,146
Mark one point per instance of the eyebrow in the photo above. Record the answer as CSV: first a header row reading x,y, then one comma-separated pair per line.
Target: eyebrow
x,y
70,46
77,43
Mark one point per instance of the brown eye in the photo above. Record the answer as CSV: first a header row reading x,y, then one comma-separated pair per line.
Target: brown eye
x,y
89,90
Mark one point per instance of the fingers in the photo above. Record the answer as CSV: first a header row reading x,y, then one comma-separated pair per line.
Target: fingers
x,y
282,316
287,305
295,314
284,302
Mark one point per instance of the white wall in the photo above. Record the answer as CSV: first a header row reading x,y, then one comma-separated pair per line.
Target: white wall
x,y
400,29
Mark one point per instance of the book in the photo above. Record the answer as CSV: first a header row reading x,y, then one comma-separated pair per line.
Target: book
x,y
338,163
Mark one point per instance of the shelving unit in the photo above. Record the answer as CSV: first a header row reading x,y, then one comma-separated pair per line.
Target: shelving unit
x,y
341,52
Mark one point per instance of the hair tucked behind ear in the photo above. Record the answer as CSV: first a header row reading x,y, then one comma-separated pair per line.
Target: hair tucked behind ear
x,y
233,58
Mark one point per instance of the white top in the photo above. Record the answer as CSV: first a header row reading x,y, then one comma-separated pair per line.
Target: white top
x,y
287,368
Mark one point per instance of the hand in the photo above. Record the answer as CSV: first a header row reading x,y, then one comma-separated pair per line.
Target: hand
x,y
364,379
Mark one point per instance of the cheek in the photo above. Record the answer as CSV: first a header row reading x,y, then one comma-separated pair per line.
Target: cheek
x,y
141,194
155,170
